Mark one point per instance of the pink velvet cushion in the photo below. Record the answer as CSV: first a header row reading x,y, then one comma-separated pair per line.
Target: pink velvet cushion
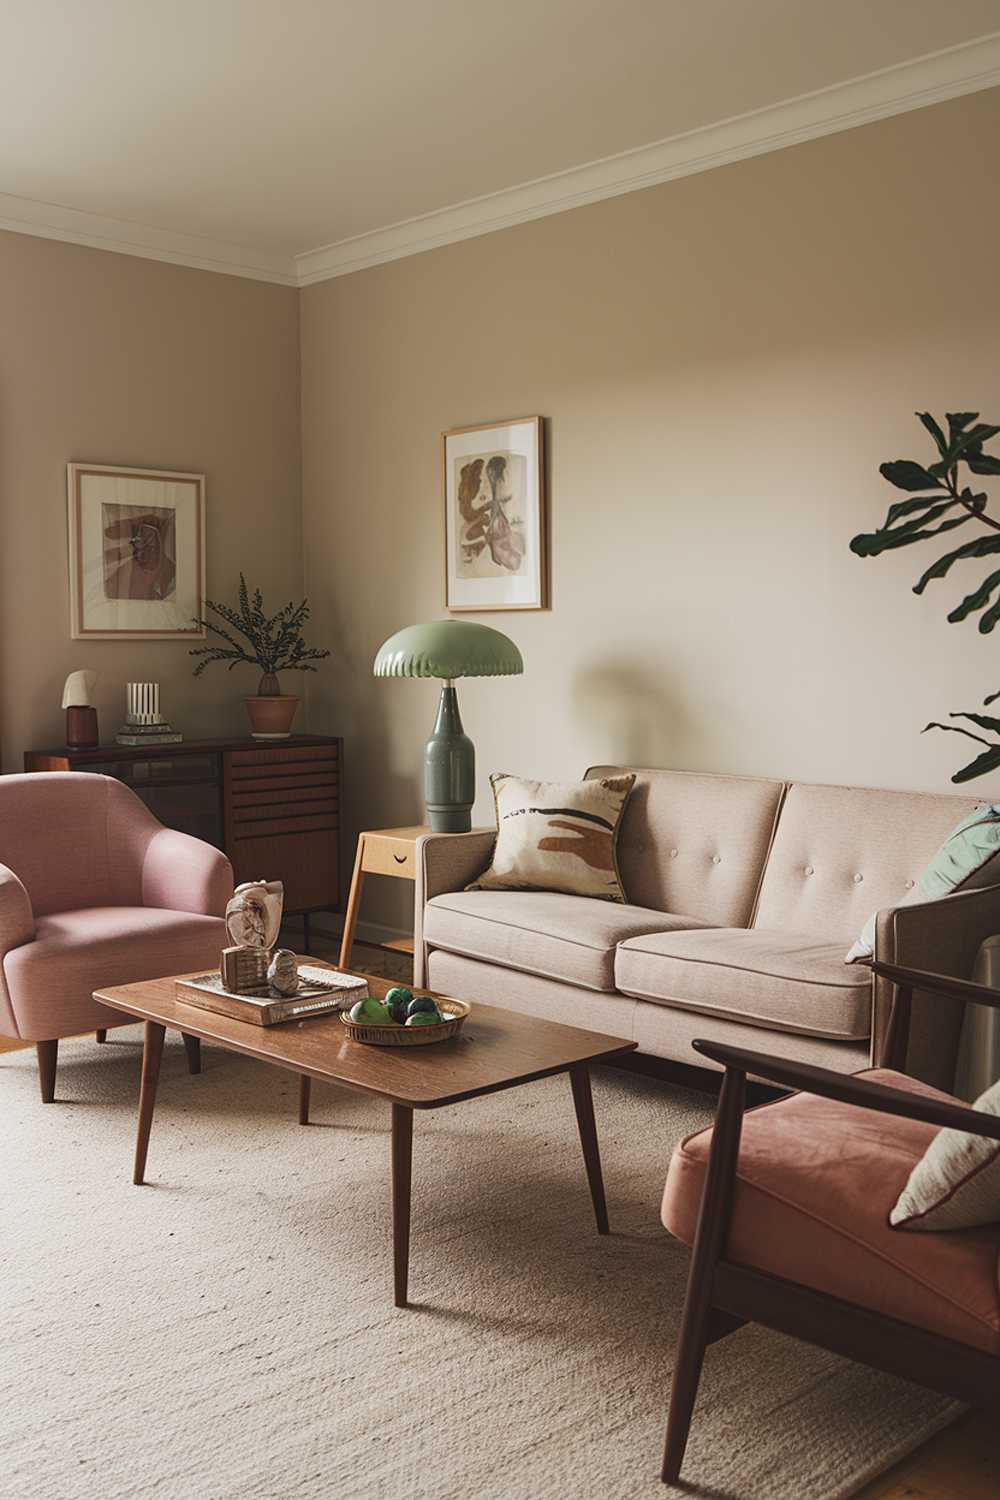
x,y
50,980
815,1185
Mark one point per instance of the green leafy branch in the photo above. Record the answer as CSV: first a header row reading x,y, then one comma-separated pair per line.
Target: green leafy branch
x,y
273,643
940,502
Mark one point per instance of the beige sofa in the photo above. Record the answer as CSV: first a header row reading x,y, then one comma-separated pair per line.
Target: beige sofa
x,y
744,896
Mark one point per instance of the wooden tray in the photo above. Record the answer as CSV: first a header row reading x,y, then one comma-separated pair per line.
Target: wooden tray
x,y
410,1036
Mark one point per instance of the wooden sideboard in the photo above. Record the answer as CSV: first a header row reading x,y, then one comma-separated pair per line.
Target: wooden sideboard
x,y
272,806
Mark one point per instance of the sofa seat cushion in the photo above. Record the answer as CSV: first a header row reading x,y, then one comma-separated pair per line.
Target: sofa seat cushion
x,y
571,938
785,981
815,1183
51,980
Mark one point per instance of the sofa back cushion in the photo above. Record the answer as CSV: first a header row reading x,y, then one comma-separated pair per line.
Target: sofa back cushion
x,y
695,844
842,852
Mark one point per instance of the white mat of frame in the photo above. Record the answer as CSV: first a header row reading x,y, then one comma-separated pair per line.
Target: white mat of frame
x,y
228,1330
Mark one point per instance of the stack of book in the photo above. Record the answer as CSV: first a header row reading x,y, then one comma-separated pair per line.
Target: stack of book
x,y
144,724
320,991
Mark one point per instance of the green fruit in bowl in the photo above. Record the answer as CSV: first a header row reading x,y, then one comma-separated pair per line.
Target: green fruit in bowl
x,y
423,1003
425,1018
371,1012
399,999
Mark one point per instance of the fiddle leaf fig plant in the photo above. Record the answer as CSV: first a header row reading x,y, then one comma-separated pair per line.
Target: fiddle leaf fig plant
x,y
941,500
273,643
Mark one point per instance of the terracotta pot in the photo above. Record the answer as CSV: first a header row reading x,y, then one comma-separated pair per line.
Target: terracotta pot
x,y
271,717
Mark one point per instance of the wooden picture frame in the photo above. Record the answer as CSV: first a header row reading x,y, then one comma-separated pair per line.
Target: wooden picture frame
x,y
136,553
496,516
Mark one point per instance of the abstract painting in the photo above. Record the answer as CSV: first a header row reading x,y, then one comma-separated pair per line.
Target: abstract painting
x,y
137,552
140,558
495,516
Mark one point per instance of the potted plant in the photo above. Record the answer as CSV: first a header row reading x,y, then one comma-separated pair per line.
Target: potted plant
x,y
274,644
938,501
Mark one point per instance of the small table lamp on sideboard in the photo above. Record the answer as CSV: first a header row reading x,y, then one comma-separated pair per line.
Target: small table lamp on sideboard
x,y
449,649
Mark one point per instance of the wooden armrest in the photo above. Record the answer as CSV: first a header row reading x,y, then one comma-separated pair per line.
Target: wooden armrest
x,y
849,1088
937,984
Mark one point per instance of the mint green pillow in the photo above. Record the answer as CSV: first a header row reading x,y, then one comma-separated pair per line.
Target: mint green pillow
x,y
965,859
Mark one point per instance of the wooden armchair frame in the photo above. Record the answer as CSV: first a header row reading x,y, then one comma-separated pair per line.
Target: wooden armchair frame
x,y
722,1296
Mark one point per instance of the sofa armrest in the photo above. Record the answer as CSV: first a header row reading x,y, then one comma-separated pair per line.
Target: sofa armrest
x,y
941,937
17,926
17,920
181,873
445,862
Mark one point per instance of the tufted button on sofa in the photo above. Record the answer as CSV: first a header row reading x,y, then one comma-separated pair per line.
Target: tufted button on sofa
x,y
744,896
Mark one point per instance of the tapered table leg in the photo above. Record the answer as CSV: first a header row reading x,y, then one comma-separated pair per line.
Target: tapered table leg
x,y
305,1090
101,1034
402,1162
579,1078
152,1051
192,1046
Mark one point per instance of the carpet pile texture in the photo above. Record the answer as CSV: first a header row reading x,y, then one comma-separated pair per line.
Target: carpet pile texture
x,y
228,1330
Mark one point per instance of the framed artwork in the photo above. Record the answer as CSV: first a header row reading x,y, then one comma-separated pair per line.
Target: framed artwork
x,y
136,553
493,478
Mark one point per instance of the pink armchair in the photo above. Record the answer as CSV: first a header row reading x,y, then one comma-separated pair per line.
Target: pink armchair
x,y
94,891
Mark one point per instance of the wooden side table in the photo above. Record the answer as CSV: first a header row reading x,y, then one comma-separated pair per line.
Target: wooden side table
x,y
382,851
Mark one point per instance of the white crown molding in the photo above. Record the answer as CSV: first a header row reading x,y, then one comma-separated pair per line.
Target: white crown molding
x,y
51,222
963,69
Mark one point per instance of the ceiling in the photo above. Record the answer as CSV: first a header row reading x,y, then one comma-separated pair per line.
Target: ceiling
x,y
283,126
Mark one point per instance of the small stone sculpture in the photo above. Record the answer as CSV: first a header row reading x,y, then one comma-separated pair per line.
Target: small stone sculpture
x,y
283,972
253,916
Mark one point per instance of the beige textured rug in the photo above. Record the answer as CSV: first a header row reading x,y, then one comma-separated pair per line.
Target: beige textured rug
x,y
228,1330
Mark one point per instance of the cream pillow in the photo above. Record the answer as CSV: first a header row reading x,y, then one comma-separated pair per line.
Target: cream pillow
x,y
956,1183
554,836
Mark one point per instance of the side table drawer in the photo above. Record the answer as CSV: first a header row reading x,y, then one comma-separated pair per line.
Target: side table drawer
x,y
389,856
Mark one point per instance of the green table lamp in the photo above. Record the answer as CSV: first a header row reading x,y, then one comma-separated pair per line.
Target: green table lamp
x,y
449,649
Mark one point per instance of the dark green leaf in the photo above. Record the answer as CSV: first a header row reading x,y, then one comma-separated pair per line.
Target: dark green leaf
x,y
958,421
954,729
934,430
978,599
983,463
988,761
989,619
907,475
907,507
974,438
870,544
991,699
983,546
981,721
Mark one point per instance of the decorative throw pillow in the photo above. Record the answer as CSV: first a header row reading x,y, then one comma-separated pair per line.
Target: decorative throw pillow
x,y
969,857
557,837
956,1183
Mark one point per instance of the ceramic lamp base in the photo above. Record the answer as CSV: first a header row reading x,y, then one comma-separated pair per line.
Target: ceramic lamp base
x,y
449,769
81,728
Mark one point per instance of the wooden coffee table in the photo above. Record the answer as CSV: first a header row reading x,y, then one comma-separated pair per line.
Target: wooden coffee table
x,y
497,1049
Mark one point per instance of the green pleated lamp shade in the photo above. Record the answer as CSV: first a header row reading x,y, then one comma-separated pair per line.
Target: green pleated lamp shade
x,y
448,649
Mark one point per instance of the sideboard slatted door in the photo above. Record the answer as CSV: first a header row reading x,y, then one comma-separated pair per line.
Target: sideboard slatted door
x,y
282,811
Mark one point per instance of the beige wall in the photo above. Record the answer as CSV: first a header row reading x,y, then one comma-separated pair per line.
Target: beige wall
x,y
125,361
723,362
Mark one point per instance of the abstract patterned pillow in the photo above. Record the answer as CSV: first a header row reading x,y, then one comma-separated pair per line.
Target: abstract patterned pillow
x,y
956,1183
554,836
